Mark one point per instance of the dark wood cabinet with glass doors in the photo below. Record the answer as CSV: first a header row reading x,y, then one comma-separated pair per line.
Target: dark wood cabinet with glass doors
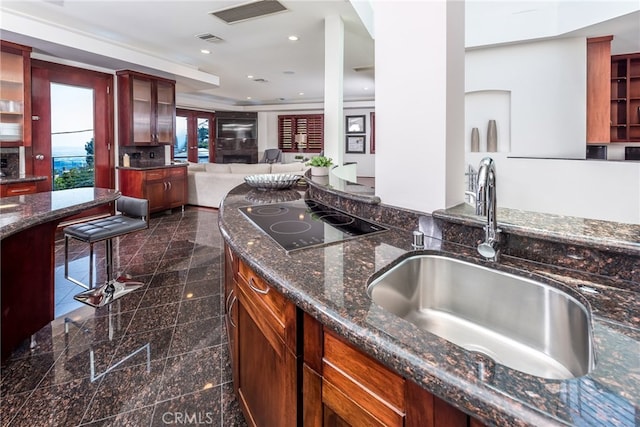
x,y
147,109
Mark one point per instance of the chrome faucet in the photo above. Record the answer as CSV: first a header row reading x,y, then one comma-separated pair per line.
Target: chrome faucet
x,y
486,205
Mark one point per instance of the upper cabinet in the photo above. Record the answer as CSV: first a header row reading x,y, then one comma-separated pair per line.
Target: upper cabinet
x,y
147,109
625,98
15,95
598,89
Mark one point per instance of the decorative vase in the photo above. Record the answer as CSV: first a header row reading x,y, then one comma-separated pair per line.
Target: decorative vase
x,y
492,137
319,171
475,140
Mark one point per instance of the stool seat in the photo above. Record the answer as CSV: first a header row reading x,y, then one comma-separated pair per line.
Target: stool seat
x,y
105,228
134,216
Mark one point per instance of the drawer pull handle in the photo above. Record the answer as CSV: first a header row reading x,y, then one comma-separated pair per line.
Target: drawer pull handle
x,y
19,190
256,289
233,301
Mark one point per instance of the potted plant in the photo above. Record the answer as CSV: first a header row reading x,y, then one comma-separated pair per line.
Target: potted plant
x,y
320,165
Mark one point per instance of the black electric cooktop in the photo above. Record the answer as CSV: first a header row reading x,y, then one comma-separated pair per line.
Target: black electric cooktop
x,y
305,223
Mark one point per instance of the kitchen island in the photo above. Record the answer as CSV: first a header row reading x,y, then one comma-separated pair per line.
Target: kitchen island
x,y
27,238
328,286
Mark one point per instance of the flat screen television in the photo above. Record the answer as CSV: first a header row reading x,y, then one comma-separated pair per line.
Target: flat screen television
x,y
236,128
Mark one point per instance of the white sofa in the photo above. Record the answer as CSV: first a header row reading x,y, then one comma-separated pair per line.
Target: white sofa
x,y
208,183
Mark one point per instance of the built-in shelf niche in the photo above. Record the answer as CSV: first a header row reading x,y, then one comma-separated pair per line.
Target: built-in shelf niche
x,y
482,106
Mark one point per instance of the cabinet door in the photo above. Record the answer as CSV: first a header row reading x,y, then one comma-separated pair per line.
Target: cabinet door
x,y
155,192
142,111
165,113
231,311
15,95
176,187
266,371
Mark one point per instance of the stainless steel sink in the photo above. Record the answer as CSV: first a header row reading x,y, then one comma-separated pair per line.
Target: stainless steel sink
x,y
521,323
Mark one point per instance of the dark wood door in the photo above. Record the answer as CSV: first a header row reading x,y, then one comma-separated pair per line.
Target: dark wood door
x,y
39,155
199,136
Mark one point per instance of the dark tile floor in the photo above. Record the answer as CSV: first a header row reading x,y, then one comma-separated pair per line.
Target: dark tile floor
x,y
156,357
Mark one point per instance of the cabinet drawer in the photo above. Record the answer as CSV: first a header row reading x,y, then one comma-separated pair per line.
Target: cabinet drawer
x,y
176,172
154,175
264,295
10,190
378,390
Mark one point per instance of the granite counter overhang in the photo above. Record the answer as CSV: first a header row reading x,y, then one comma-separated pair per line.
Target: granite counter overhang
x,y
17,213
21,178
329,283
161,166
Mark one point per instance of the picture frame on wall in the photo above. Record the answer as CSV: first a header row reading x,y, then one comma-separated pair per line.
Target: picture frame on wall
x,y
355,144
355,124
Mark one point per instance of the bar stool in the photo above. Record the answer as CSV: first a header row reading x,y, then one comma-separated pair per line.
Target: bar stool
x,y
134,216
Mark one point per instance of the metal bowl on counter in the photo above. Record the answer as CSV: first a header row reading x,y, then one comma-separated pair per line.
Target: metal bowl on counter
x,y
272,181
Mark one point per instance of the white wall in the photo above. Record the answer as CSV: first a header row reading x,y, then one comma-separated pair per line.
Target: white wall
x,y
268,137
583,188
547,85
419,103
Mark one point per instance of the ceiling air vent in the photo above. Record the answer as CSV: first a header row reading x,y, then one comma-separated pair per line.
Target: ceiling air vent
x,y
208,37
249,11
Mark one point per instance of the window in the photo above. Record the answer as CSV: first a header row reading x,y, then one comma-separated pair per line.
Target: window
x,y
311,125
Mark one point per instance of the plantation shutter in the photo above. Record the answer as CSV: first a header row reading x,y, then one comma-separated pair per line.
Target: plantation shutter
x,y
286,141
311,124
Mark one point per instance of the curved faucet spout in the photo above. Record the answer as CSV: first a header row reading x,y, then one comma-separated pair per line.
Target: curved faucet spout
x,y
486,205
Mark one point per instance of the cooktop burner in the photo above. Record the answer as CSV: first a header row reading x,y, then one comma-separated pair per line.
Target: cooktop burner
x,y
305,223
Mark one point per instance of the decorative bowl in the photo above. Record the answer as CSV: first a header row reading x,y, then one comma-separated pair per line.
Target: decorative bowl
x,y
272,181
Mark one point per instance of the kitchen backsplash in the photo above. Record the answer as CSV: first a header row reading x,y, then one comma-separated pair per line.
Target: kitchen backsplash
x,y
142,157
10,162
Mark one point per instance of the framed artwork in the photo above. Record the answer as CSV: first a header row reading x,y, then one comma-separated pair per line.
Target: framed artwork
x,y
372,138
355,124
355,144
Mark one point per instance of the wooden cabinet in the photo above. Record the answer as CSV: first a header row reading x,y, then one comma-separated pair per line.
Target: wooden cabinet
x,y
266,352
15,95
231,311
342,386
598,89
165,188
147,109
625,98
288,369
18,189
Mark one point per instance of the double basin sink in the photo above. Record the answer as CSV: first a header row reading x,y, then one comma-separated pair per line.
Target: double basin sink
x,y
518,322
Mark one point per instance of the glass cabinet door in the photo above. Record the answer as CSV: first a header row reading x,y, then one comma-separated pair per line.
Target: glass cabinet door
x,y
165,113
11,99
142,112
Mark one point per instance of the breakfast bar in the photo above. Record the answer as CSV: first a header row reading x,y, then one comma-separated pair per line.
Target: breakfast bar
x,y
27,237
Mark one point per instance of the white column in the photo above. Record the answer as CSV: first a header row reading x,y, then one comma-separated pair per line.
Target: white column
x,y
333,88
419,103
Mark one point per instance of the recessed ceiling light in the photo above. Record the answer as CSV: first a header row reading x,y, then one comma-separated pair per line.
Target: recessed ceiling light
x,y
301,93
248,97
293,38
250,76
366,88
205,51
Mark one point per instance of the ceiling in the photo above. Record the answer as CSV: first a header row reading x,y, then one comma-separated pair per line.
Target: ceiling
x,y
160,37
283,71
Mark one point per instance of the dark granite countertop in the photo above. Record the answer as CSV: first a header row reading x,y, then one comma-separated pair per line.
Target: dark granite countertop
x,y
21,178
606,235
330,284
172,165
18,213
